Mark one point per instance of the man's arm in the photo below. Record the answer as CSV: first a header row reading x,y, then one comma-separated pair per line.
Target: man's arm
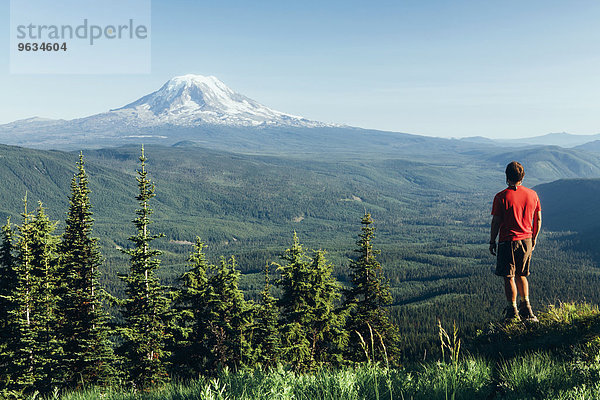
x,y
537,224
494,229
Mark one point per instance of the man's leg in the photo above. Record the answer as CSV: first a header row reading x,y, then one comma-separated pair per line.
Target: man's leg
x,y
510,289
522,287
525,310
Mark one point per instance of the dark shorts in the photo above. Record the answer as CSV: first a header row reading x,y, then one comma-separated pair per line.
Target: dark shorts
x,y
513,258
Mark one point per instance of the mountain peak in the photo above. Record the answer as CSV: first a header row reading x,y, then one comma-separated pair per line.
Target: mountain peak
x,y
189,100
194,78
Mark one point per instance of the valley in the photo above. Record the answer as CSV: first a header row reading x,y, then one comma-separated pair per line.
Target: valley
x,y
432,220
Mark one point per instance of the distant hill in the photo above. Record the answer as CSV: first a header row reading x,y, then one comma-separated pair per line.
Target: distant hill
x,y
45,176
592,147
550,163
570,204
479,139
562,139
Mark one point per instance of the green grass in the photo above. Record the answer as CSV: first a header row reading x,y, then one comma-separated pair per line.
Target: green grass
x,y
562,371
566,329
368,382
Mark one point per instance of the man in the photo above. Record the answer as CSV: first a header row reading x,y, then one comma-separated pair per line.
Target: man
x,y
517,217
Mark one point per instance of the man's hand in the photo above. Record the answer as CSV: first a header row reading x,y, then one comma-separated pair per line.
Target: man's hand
x,y
494,229
532,244
493,248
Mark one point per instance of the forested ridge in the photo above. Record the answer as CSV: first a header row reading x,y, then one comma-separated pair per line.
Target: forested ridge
x,y
431,222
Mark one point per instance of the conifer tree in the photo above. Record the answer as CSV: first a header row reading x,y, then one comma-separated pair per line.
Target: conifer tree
x,y
230,320
146,306
88,355
311,328
295,287
367,300
34,346
7,276
192,315
267,343
23,365
45,263
327,334
8,283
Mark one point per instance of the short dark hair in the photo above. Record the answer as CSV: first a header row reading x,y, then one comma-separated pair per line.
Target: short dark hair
x,y
515,172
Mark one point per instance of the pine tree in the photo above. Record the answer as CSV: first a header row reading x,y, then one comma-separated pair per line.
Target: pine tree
x,y
8,283
295,287
267,343
146,306
192,315
84,330
311,328
21,346
230,320
367,300
328,335
45,263
34,346
7,276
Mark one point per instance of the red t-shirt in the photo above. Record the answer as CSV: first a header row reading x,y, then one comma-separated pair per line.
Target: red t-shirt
x,y
517,207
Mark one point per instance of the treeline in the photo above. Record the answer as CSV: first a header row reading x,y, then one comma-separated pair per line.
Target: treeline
x,y
56,332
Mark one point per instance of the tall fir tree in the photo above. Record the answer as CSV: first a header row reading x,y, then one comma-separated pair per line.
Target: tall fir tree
x,y
8,283
24,366
34,345
267,342
146,307
230,320
88,355
327,334
45,264
295,288
367,299
191,354
7,275
312,331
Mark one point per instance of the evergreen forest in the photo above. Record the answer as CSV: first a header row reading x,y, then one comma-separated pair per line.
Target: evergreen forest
x,y
118,269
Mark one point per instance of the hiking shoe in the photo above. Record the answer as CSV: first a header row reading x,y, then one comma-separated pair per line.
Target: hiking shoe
x,y
511,313
526,313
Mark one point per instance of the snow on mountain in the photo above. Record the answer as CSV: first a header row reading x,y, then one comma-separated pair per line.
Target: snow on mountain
x,y
169,115
191,100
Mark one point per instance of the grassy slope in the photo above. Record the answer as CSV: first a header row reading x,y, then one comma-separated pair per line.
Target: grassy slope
x,y
534,362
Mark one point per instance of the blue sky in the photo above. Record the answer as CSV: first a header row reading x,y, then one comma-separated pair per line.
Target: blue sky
x,y
439,68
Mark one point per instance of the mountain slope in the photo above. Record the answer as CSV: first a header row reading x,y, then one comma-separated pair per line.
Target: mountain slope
x,y
550,163
571,204
591,147
562,139
191,100
188,106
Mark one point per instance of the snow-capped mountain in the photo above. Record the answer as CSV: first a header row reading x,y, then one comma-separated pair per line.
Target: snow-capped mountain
x,y
187,107
184,101
190,100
